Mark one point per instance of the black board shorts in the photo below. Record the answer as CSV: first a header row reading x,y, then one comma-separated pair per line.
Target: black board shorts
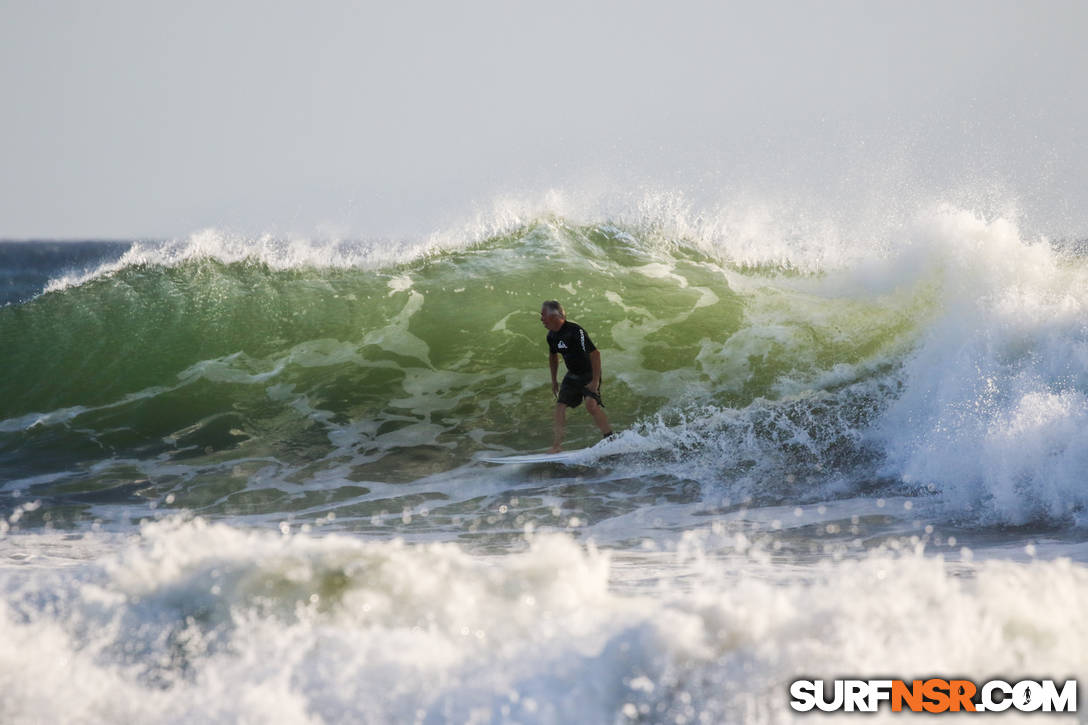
x,y
573,390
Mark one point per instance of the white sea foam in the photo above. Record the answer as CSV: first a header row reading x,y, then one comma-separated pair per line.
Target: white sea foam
x,y
191,621
995,403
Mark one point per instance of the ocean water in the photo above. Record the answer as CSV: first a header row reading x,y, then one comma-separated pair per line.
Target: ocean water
x,y
240,477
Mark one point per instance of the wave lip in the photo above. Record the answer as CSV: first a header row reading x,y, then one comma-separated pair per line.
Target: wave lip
x,y
278,253
746,233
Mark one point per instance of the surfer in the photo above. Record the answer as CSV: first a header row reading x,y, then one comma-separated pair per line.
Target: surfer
x,y
583,378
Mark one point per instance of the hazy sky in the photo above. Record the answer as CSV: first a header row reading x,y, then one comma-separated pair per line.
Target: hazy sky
x,y
136,119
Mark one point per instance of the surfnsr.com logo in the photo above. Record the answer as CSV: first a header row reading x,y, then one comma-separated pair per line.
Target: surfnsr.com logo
x,y
934,695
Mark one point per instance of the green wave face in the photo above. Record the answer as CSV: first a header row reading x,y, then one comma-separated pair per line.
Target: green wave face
x,y
209,373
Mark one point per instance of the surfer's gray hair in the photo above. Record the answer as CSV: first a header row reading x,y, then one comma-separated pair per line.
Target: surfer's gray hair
x,y
554,308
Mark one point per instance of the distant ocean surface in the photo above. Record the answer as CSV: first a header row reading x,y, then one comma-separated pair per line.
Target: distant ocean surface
x,y
239,477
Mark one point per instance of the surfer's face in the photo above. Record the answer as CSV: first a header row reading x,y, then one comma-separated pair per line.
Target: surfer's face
x,y
550,319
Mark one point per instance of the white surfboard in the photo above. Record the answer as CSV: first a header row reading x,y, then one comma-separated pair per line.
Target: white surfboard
x,y
561,457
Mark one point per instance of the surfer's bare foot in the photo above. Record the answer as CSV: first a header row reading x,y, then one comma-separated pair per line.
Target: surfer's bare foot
x,y
554,449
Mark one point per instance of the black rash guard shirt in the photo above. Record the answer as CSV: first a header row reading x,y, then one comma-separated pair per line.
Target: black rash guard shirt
x,y
573,343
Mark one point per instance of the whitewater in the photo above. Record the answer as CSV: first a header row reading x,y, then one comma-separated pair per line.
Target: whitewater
x,y
240,477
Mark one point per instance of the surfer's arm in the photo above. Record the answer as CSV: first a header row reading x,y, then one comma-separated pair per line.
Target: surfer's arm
x,y
595,361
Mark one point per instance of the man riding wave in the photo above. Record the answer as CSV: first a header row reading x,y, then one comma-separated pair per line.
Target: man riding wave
x,y
583,378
